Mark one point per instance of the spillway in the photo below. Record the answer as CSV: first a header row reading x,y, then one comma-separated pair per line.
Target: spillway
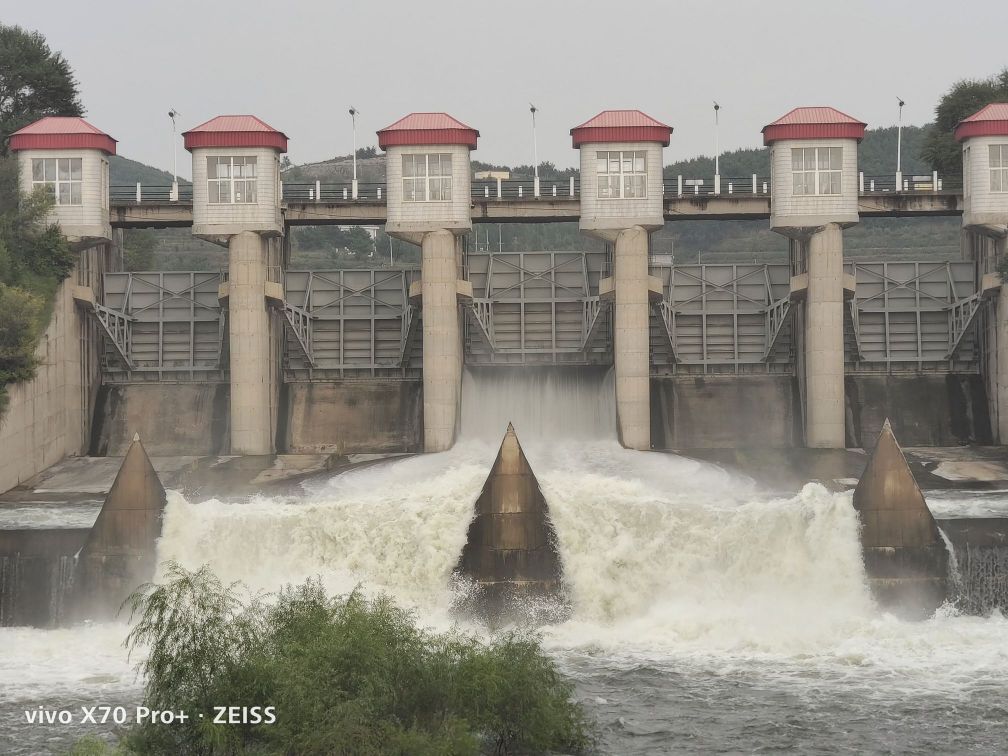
x,y
705,612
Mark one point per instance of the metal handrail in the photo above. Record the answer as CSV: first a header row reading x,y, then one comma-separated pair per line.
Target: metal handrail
x,y
524,188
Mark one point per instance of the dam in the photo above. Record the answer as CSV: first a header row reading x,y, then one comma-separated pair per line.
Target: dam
x,y
696,430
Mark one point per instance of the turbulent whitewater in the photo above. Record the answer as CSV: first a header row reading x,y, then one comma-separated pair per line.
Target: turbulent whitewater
x,y
707,614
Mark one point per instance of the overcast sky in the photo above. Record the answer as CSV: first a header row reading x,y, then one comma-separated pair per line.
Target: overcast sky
x,y
300,65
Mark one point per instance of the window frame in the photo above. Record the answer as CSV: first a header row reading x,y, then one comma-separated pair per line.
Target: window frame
x,y
58,183
440,183
817,174
998,174
635,179
215,181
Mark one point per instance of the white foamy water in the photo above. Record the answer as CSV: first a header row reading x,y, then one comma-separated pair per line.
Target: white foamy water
x,y
44,516
952,503
707,615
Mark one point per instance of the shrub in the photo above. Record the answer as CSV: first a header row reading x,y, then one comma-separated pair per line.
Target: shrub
x,y
347,675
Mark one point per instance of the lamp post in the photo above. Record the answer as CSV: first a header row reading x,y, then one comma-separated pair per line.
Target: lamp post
x,y
899,147
174,187
717,153
535,154
353,121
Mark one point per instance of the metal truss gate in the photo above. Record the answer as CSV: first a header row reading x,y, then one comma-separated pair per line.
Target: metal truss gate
x,y
537,308
722,319
162,326
918,316
351,324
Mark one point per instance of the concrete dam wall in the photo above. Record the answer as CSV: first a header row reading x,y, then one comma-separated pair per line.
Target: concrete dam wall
x,y
924,410
687,412
48,418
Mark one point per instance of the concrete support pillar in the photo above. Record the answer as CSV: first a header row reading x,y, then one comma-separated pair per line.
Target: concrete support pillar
x,y
631,338
249,345
824,348
1002,350
442,342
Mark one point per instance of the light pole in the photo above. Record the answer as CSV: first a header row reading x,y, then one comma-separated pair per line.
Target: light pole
x,y
899,147
717,153
535,154
174,141
353,121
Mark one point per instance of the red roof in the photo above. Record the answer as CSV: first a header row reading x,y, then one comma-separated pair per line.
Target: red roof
x,y
990,120
427,128
814,123
235,131
62,133
621,126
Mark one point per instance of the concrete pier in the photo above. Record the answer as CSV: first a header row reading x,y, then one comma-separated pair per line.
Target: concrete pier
x,y
442,340
631,338
120,551
1001,378
905,558
248,325
824,348
510,554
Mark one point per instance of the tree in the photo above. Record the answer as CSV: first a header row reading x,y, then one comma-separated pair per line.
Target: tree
x,y
139,246
34,82
965,97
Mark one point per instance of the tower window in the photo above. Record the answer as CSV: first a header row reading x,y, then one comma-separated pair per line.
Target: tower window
x,y
816,170
61,177
231,180
621,175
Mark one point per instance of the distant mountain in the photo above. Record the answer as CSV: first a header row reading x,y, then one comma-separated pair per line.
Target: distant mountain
x,y
124,171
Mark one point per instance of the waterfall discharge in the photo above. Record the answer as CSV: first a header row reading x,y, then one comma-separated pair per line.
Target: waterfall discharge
x,y
658,550
544,403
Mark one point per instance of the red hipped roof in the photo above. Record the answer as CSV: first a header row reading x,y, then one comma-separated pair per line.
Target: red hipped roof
x,y
427,128
990,120
814,123
62,133
235,131
621,126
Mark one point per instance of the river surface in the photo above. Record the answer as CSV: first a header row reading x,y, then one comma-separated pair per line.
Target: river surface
x,y
708,615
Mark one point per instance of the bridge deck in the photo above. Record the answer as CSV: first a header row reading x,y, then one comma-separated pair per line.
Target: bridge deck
x,y
166,214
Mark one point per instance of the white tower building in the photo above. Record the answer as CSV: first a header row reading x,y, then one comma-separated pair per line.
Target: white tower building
x,y
236,198
621,202
814,196
428,178
984,138
68,157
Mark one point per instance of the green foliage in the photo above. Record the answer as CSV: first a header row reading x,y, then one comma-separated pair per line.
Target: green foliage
x,y
350,243
20,312
34,82
139,248
34,258
966,97
347,675
93,746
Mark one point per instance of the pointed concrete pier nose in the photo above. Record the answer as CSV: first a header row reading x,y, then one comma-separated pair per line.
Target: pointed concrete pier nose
x,y
120,551
510,566
905,557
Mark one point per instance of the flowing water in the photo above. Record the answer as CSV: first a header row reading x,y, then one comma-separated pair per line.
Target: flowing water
x,y
707,614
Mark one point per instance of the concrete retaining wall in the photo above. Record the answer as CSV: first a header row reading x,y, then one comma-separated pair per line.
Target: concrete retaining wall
x,y
36,574
924,410
172,419
712,412
48,417
351,417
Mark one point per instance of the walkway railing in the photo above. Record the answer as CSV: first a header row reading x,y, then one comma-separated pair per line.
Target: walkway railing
x,y
549,189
